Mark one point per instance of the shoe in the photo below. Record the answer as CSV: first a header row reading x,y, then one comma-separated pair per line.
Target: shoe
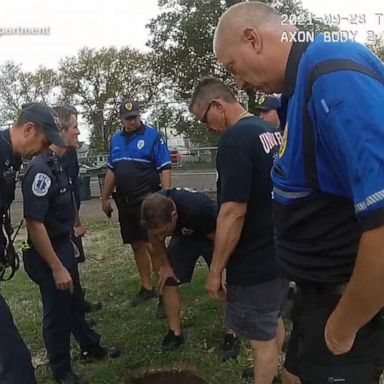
x,y
230,348
160,312
142,296
248,374
71,378
171,341
97,352
92,307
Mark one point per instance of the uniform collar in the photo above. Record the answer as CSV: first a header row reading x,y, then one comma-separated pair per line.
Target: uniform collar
x,y
297,51
139,131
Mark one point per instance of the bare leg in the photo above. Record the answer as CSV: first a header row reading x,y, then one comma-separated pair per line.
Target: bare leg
x,y
143,263
265,360
280,337
172,306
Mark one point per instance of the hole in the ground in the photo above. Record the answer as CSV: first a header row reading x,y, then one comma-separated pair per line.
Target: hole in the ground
x,y
169,377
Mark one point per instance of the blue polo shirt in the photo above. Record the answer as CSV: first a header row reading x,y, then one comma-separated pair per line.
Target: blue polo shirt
x,y
318,228
137,159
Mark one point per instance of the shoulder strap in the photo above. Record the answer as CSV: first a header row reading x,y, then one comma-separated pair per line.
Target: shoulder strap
x,y
324,67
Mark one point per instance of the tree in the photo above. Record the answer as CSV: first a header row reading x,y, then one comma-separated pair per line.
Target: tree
x,y
97,81
18,87
181,40
378,48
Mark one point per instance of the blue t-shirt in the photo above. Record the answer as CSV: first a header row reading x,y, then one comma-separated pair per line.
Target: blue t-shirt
x,y
244,160
137,159
318,227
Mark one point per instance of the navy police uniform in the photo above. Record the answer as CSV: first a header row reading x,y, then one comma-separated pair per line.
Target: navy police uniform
x,y
328,190
15,359
71,167
137,159
196,218
48,198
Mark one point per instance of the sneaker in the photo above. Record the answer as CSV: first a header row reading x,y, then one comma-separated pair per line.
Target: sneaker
x,y
248,374
142,296
92,307
97,352
230,348
71,378
171,341
160,311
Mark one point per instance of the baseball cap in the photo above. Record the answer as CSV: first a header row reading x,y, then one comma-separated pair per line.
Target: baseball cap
x,y
129,108
266,103
44,116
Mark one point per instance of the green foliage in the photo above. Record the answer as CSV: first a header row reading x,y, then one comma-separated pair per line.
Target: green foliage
x,y
18,87
97,80
378,47
181,40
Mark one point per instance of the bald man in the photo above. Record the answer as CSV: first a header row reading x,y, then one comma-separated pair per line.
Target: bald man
x,y
328,187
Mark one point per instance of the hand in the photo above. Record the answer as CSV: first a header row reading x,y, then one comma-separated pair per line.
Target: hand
x,y
214,286
337,342
79,230
165,273
62,279
107,208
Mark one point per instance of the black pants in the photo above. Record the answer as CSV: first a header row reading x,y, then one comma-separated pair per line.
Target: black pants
x,y
63,315
308,356
15,359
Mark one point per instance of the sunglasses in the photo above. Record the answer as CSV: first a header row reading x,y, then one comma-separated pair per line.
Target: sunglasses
x,y
204,118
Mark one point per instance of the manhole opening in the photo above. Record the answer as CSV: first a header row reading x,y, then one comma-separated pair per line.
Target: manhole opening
x,y
169,377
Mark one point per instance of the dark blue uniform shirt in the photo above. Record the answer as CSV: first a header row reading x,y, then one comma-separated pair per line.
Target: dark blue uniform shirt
x,y
196,212
137,159
8,162
9,168
318,227
47,196
71,167
244,160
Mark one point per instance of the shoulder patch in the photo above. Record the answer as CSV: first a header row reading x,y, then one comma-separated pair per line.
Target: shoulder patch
x,y
140,144
41,184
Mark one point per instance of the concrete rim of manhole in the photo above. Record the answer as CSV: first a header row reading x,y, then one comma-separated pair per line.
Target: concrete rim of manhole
x,y
166,376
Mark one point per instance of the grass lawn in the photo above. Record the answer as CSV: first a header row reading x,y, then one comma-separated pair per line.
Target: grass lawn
x,y
114,280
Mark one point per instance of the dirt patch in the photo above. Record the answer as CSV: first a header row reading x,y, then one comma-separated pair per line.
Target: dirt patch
x,y
168,377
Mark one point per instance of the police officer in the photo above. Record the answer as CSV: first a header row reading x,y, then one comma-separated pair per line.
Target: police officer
x,y
328,187
67,117
49,260
33,131
189,217
139,163
266,107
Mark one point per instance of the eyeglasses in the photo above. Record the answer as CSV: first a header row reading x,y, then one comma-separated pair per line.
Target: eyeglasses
x,y
204,118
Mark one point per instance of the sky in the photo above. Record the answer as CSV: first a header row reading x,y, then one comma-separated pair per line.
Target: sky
x,y
60,28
